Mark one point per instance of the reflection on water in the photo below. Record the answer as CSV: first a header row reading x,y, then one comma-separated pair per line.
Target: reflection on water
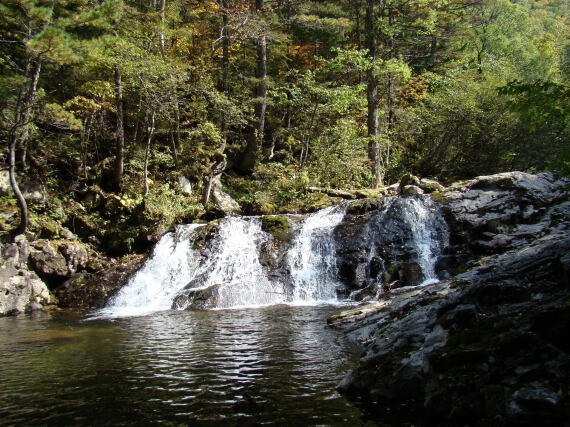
x,y
273,365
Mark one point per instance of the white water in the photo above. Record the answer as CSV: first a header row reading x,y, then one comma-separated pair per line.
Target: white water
x,y
171,266
235,267
312,258
232,276
424,235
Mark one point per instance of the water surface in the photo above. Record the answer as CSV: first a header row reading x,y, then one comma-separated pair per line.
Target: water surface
x,y
273,365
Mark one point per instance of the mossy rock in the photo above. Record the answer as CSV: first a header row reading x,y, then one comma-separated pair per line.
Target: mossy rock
x,y
47,227
277,226
206,233
363,206
314,202
439,197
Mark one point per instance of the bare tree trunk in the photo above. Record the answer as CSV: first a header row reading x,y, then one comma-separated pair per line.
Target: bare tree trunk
x,y
162,37
147,154
255,142
28,107
22,205
372,97
119,133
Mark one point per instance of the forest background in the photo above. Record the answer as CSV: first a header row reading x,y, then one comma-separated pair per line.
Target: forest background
x,y
129,113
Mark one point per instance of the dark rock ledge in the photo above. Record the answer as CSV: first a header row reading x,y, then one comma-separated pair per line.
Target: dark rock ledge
x,y
490,346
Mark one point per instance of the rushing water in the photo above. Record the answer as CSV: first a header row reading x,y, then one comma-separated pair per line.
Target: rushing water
x,y
423,226
312,259
271,365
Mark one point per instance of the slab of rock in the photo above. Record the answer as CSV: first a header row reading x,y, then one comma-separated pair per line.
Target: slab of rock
x,y
20,288
488,347
223,200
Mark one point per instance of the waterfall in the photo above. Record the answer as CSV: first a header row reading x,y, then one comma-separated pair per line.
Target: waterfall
x,y
233,274
424,223
170,267
233,262
312,258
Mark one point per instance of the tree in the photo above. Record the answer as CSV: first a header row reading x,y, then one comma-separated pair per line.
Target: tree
x,y
252,151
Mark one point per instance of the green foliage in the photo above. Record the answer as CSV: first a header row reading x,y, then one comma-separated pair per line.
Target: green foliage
x,y
439,65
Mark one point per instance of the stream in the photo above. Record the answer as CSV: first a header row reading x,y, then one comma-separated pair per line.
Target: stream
x,y
271,365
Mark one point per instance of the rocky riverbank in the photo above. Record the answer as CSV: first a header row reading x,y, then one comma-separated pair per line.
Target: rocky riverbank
x,y
488,345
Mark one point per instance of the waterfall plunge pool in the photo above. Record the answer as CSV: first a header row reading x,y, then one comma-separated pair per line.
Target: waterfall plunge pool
x,y
272,365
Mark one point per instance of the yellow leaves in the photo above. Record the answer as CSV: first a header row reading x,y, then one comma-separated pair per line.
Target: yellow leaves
x,y
60,117
126,201
82,106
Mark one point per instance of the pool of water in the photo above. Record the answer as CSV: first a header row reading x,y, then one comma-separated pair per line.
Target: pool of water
x,y
274,365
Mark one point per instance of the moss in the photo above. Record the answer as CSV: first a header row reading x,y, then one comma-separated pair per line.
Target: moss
x,y
206,233
439,197
53,299
277,226
363,206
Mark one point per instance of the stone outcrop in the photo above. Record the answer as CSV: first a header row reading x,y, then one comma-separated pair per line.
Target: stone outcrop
x,y
488,345
377,242
87,290
222,200
20,288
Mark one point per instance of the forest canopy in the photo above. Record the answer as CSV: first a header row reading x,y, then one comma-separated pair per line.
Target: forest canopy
x,y
274,96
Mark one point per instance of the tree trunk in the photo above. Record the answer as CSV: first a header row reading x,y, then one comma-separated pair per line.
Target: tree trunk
x,y
162,27
255,142
147,154
22,205
372,97
28,107
119,133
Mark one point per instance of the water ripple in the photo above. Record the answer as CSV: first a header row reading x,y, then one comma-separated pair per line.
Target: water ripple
x,y
257,366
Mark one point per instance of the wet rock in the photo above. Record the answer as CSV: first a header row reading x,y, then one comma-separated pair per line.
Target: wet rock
x,y
373,242
411,190
405,274
197,299
278,226
92,290
487,347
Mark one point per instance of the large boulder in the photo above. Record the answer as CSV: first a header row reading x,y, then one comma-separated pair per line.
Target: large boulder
x,y
20,288
488,347
223,200
493,214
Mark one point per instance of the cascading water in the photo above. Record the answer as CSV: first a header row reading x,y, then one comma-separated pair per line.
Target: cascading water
x,y
235,263
233,274
423,222
312,258
170,267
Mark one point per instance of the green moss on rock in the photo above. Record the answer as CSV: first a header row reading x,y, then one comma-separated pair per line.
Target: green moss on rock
x,y
277,226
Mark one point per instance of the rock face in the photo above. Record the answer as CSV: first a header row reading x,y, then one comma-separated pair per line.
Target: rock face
x,y
223,200
20,288
489,345
86,290
389,242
